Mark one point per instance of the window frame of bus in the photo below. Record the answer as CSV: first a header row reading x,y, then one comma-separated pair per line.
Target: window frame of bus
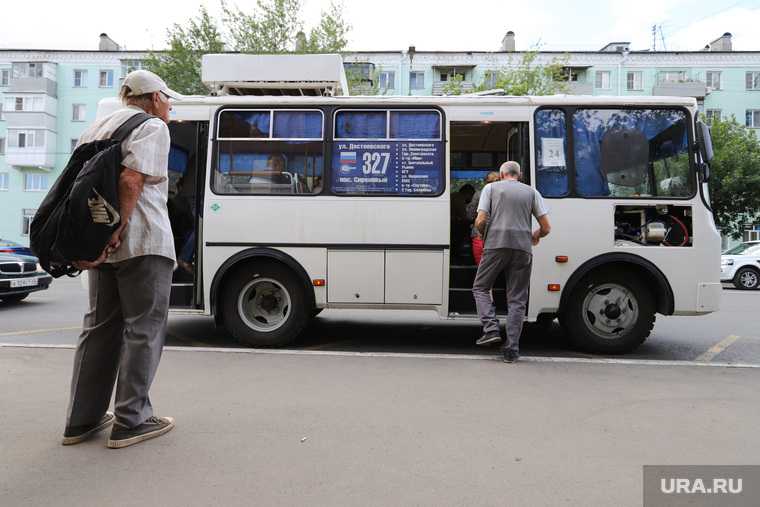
x,y
404,109
295,108
569,112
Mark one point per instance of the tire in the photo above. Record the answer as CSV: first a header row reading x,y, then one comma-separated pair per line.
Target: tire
x,y
597,323
747,279
14,298
264,305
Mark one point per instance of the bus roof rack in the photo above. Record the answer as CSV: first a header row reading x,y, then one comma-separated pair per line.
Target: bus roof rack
x,y
299,75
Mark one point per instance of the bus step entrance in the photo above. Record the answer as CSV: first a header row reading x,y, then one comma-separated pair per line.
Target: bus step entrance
x,y
461,300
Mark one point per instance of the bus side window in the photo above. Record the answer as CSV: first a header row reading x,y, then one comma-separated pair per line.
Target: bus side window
x,y
551,147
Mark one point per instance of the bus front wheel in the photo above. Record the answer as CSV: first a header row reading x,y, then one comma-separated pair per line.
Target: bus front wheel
x,y
609,312
264,305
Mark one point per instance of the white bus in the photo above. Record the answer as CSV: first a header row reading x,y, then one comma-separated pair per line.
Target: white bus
x,y
284,206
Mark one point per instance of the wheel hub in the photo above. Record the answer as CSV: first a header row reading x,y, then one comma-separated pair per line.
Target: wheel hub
x,y
610,310
264,304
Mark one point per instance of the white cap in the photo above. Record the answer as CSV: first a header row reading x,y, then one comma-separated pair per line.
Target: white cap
x,y
141,82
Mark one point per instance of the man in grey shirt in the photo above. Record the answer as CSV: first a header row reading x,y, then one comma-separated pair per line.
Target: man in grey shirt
x,y
504,220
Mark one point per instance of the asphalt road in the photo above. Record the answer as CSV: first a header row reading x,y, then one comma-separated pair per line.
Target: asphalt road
x,y
729,336
293,429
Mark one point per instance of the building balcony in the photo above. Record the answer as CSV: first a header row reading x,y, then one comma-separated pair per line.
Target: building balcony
x,y
35,157
33,85
464,86
29,119
576,88
696,89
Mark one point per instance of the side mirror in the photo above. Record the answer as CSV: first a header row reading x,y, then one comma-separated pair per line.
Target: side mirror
x,y
704,142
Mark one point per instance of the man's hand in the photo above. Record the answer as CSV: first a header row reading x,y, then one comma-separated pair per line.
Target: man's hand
x,y
85,265
536,237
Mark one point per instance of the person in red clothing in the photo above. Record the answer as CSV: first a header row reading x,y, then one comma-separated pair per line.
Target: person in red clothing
x,y
472,212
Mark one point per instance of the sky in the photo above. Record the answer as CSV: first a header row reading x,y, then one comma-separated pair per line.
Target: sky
x,y
437,25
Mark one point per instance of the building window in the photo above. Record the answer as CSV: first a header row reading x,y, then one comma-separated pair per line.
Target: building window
x,y
387,80
80,78
128,66
19,105
753,118
491,77
5,76
35,182
27,215
26,138
21,70
416,80
4,179
712,115
753,80
78,112
712,79
1,111
603,79
74,143
2,146
633,81
106,79
668,76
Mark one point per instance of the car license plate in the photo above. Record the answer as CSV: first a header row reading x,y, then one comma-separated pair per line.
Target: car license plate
x,y
23,282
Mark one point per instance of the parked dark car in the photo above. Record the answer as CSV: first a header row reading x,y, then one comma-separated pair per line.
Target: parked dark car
x,y
19,276
9,247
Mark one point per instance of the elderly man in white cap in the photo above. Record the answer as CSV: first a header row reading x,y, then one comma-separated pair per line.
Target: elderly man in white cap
x,y
123,332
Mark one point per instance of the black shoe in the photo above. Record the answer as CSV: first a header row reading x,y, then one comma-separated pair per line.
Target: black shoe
x,y
488,339
153,427
76,434
509,355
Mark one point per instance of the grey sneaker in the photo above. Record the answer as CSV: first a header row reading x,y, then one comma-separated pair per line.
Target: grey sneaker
x,y
153,427
488,339
76,434
509,355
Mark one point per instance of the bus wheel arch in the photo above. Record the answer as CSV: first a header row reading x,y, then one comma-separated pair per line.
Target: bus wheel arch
x,y
285,285
610,279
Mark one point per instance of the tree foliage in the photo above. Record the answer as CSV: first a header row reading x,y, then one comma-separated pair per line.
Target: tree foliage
x,y
530,78
735,178
180,66
272,27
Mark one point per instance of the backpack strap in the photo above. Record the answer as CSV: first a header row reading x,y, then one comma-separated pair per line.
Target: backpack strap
x,y
128,126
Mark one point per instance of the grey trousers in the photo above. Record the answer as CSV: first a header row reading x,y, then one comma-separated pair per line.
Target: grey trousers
x,y
516,266
122,338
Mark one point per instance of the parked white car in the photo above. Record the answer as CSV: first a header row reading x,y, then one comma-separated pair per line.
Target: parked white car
x,y
741,266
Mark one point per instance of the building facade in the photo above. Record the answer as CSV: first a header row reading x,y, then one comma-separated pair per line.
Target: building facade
x,y
48,97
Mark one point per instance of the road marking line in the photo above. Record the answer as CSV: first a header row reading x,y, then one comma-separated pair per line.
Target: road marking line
x,y
40,331
416,355
716,349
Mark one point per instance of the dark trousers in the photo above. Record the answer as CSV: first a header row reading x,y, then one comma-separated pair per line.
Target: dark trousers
x,y
122,339
516,266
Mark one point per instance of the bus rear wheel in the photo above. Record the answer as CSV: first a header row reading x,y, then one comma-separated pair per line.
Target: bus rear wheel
x,y
264,305
609,313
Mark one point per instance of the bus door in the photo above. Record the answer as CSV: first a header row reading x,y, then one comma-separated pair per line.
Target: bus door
x,y
477,148
187,163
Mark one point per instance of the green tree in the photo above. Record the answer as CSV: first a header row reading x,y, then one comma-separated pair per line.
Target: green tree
x,y
735,178
275,27
331,34
180,66
271,28
453,86
530,78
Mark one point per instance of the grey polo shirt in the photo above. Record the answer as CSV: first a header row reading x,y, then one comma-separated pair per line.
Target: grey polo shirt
x,y
145,150
510,205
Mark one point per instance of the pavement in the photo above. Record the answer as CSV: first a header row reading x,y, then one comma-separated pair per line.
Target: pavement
x,y
311,428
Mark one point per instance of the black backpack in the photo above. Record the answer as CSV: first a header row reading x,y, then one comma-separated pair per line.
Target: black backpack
x,y
81,211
